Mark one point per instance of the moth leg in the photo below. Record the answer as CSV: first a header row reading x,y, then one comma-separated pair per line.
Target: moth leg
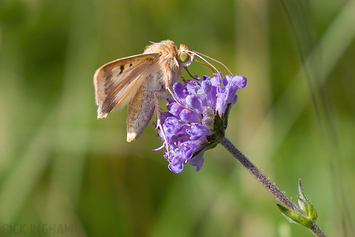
x,y
190,74
159,124
183,79
171,78
186,81
168,88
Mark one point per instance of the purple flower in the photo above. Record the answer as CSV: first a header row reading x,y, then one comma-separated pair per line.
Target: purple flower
x,y
190,131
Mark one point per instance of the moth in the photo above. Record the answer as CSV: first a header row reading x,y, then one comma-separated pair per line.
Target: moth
x,y
140,81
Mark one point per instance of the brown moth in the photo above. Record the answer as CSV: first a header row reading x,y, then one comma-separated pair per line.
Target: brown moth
x,y
139,81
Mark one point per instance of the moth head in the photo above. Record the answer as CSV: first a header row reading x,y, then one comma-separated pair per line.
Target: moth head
x,y
185,56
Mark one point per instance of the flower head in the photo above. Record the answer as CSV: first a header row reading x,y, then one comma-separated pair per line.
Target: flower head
x,y
190,131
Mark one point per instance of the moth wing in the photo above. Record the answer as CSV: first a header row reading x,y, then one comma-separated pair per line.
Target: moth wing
x,y
139,112
117,82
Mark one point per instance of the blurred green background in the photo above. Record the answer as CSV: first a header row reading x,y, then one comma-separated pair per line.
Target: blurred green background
x,y
60,166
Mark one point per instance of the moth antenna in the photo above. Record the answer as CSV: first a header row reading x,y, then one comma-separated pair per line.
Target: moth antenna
x,y
205,65
209,65
197,53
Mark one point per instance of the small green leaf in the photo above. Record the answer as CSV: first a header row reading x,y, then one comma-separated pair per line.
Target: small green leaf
x,y
295,217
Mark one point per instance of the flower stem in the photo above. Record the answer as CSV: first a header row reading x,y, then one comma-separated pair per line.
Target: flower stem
x,y
270,186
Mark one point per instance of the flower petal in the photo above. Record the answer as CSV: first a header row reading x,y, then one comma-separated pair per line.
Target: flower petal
x,y
186,130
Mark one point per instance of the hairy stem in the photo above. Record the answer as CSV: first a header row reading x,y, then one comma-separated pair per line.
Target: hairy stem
x,y
270,186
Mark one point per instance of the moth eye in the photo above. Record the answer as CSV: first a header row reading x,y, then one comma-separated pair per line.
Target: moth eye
x,y
184,57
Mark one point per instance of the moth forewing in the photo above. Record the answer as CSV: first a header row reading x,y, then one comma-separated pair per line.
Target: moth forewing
x,y
141,108
117,82
139,112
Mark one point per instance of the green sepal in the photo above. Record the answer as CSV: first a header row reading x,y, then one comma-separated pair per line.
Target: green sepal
x,y
225,116
295,217
305,204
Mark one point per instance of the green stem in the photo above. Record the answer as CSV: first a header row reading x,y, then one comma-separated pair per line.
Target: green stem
x,y
270,186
